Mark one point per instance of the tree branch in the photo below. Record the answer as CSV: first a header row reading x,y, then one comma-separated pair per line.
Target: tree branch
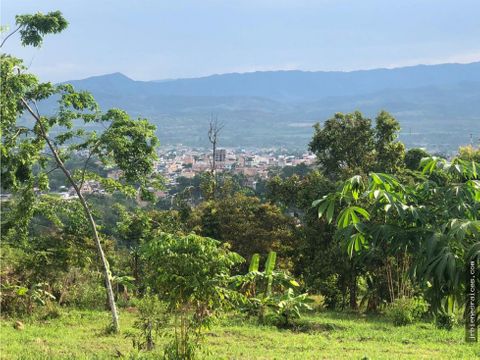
x,y
13,32
51,170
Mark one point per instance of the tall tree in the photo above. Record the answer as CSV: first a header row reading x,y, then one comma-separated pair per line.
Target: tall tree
x,y
31,141
246,224
344,144
348,144
389,152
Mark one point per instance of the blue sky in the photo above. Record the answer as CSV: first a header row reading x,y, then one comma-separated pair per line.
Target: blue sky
x,y
148,39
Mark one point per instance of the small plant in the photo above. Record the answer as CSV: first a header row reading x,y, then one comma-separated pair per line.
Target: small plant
x,y
23,299
404,311
150,312
445,321
331,291
271,289
192,274
290,306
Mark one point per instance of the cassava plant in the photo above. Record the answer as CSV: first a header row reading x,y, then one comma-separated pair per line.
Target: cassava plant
x,y
430,226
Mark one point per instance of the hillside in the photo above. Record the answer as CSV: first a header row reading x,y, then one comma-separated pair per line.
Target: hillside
x,y
437,105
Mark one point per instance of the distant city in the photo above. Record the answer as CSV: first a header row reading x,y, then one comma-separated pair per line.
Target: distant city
x,y
182,161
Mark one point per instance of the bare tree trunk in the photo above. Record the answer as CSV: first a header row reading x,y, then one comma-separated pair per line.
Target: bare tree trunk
x,y
214,150
213,132
88,213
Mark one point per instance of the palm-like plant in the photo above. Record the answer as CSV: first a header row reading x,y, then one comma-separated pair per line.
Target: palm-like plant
x,y
290,306
430,228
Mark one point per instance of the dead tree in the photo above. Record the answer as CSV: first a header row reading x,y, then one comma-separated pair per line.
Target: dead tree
x,y
213,133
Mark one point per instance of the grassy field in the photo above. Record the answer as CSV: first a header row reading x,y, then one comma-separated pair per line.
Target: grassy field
x,y
82,335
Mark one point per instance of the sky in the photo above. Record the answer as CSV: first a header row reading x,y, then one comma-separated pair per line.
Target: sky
x,y
165,39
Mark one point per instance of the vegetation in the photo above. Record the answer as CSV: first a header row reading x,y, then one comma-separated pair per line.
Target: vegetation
x,y
382,231
129,144
192,275
81,335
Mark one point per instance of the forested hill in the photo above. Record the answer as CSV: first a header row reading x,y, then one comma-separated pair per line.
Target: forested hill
x,y
437,105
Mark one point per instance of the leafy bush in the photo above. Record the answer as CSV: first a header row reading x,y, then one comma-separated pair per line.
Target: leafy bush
x,y
445,321
404,311
83,289
290,306
150,319
192,275
331,292
24,299
270,289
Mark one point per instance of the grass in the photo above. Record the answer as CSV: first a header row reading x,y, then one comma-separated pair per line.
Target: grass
x,y
83,335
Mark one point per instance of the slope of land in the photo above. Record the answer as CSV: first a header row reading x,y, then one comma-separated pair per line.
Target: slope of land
x,y
438,106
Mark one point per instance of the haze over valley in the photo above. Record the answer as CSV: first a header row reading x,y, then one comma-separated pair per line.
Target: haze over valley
x,y
436,105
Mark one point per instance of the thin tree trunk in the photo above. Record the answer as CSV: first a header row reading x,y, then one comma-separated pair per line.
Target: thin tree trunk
x,y
353,289
214,149
214,165
105,265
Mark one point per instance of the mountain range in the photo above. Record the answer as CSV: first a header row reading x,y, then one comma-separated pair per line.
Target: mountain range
x,y
438,106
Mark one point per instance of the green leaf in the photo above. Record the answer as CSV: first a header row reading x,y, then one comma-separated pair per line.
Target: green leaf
x,y
254,263
22,291
330,210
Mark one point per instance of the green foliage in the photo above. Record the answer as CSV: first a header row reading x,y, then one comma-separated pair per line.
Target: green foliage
x,y
192,275
254,263
269,266
127,144
329,288
247,224
190,269
345,141
469,153
270,289
413,157
82,289
149,322
22,300
290,306
34,27
445,320
405,311
430,227
348,144
389,152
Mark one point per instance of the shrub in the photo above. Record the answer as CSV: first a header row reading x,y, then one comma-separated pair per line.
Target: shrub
x,y
404,311
24,299
192,274
330,290
83,289
445,321
150,311
290,306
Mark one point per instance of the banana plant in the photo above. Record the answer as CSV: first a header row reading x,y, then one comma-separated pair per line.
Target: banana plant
x,y
269,267
260,287
290,307
254,263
